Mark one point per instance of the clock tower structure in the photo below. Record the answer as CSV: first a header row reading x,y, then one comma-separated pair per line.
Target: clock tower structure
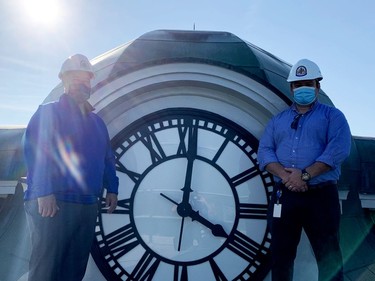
x,y
185,111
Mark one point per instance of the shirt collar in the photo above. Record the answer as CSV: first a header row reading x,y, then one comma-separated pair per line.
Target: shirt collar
x,y
312,107
69,101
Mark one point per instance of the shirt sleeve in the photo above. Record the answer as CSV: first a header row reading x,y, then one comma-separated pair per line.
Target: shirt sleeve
x,y
110,181
338,140
267,147
39,151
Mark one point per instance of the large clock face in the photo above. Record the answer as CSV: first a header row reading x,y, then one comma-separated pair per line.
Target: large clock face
x,y
192,202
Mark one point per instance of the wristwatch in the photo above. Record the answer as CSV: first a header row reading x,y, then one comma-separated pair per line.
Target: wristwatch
x,y
305,176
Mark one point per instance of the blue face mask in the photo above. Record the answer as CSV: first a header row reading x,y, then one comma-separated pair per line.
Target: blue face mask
x,y
304,95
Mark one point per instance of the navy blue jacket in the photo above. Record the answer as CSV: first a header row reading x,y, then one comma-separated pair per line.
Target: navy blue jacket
x,y
68,154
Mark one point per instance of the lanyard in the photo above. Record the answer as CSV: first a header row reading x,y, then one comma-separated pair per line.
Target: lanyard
x,y
278,195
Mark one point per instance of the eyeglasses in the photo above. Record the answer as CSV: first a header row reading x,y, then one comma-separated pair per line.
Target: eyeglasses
x,y
294,124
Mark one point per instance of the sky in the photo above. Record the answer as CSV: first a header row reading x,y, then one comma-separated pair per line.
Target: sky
x,y
36,36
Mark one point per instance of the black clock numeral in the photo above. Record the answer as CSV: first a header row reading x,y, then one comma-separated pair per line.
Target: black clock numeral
x,y
229,135
245,176
182,132
184,273
219,275
220,150
243,246
145,268
193,140
120,241
132,175
124,203
153,145
123,207
253,211
191,131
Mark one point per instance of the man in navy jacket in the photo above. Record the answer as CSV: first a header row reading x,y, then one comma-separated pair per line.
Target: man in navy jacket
x,y
69,160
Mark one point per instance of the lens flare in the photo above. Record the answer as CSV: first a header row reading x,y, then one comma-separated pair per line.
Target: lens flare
x,y
70,161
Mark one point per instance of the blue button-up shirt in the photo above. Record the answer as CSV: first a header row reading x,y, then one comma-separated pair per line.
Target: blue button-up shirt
x,y
322,135
68,154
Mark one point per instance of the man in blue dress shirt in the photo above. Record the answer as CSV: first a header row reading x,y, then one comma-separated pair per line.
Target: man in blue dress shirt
x,y
303,147
69,160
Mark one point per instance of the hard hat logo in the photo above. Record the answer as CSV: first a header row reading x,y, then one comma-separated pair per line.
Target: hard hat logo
x,y
301,71
304,70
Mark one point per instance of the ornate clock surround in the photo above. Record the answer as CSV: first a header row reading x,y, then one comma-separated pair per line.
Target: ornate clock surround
x,y
208,87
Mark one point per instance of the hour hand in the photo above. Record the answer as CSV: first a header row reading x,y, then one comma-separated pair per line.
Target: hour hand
x,y
187,211
216,229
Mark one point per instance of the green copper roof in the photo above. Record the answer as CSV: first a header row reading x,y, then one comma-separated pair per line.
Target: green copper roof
x,y
217,48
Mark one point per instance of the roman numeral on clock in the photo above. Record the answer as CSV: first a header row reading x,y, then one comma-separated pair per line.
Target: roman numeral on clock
x,y
153,145
180,273
120,241
243,246
132,175
253,211
123,207
145,268
188,132
245,176
219,275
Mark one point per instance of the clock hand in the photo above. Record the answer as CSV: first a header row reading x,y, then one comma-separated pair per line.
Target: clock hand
x,y
181,230
183,211
191,153
187,189
187,211
166,197
216,229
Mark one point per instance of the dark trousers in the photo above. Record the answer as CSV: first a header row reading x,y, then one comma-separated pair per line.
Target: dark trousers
x,y
60,245
318,213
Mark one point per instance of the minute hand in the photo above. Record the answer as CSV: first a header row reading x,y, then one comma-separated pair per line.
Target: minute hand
x,y
187,189
191,154
216,229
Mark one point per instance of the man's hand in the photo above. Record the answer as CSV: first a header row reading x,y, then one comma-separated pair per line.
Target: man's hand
x,y
294,181
48,206
111,202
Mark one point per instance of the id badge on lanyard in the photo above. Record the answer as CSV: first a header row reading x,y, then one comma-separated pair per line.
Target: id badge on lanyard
x,y
277,206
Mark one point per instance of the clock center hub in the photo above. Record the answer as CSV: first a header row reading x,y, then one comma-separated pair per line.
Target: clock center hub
x,y
184,210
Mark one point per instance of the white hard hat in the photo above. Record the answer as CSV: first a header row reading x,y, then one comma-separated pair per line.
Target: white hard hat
x,y
76,62
304,70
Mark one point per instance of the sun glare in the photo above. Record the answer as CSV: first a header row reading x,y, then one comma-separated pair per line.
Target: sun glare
x,y
45,12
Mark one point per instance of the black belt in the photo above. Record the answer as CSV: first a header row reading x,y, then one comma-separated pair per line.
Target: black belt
x,y
322,185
